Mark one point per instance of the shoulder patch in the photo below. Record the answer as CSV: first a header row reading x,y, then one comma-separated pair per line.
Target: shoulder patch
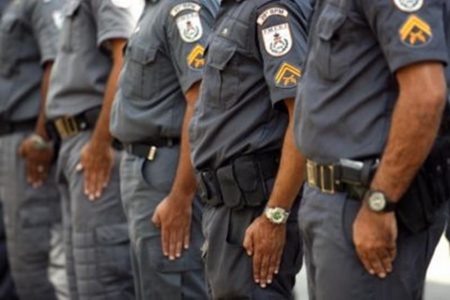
x,y
190,27
195,58
287,76
273,11
409,5
415,32
277,39
182,7
122,3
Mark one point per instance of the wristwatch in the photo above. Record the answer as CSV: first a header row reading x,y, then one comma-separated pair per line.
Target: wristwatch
x,y
276,215
378,202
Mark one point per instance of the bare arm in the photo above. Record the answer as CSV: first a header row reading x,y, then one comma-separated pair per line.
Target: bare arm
x,y
173,214
264,240
415,123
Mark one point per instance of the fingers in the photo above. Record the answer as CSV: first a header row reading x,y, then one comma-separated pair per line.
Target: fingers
x,y
379,263
187,238
264,270
257,260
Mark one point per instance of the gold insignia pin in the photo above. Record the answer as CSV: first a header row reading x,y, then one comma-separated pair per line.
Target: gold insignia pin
x,y
195,59
287,75
415,31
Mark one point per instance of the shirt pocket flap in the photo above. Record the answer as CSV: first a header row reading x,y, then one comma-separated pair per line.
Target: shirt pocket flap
x,y
331,20
220,55
141,55
72,7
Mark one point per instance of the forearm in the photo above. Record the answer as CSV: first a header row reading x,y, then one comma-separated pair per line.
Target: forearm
x,y
40,124
414,127
291,170
185,182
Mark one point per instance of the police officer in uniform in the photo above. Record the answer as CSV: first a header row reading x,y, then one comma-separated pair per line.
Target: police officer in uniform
x,y
158,87
28,38
370,106
243,149
82,87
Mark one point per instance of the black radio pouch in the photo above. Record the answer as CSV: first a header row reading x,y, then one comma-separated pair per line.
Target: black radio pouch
x,y
429,189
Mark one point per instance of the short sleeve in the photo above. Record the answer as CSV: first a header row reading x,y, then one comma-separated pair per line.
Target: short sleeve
x,y
189,25
282,36
408,31
46,21
115,19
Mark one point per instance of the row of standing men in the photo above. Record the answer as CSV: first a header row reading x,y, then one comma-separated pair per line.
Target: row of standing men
x,y
170,141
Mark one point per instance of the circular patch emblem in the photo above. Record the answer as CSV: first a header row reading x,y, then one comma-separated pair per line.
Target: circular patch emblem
x,y
122,3
277,39
190,27
409,5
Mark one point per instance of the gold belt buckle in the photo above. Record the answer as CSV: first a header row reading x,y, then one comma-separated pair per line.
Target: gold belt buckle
x,y
66,126
324,188
311,173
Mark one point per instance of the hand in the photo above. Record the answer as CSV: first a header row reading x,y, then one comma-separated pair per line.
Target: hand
x,y
374,236
174,218
38,161
265,242
96,161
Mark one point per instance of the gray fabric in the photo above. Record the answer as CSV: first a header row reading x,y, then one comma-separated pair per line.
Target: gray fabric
x,y
235,113
349,89
150,102
334,271
83,50
32,218
95,233
144,184
28,38
228,267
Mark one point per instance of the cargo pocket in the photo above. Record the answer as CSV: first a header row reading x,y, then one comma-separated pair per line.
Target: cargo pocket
x,y
226,82
141,76
332,61
113,254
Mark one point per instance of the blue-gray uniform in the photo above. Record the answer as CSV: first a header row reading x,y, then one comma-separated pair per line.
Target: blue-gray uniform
x,y
28,38
346,103
253,63
164,59
96,235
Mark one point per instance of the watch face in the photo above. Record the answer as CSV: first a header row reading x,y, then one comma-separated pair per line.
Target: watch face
x,y
377,202
277,216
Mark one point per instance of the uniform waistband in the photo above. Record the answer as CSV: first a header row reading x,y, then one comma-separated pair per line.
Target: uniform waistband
x,y
20,126
148,149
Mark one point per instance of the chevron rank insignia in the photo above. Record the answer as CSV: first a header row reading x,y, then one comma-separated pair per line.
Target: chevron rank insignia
x,y
415,32
195,58
287,76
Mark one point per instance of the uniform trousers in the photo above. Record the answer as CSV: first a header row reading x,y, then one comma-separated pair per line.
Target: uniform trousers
x,y
32,220
229,269
145,184
333,268
95,232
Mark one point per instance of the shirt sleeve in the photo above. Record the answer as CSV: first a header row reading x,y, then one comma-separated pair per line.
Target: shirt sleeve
x,y
408,31
115,19
46,21
282,35
189,25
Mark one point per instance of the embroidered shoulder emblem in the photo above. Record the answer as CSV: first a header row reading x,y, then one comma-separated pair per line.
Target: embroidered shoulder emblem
x,y
182,7
273,11
287,76
190,27
277,39
195,58
415,32
409,5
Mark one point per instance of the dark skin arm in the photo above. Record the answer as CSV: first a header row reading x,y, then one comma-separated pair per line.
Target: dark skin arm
x,y
264,240
173,214
97,156
38,161
415,123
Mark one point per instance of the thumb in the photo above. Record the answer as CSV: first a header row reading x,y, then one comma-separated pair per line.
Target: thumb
x,y
22,151
155,219
248,242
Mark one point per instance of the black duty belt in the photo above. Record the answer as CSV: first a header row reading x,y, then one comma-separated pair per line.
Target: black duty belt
x,y
242,183
350,176
148,149
11,127
69,126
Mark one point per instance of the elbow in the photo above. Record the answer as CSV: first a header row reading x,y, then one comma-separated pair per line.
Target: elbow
x,y
430,100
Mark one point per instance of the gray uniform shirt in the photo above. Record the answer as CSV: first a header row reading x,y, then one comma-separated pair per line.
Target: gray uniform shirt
x,y
253,61
164,58
28,38
83,63
349,88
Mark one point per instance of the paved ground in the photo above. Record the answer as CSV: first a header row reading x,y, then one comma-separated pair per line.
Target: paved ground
x,y
438,279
